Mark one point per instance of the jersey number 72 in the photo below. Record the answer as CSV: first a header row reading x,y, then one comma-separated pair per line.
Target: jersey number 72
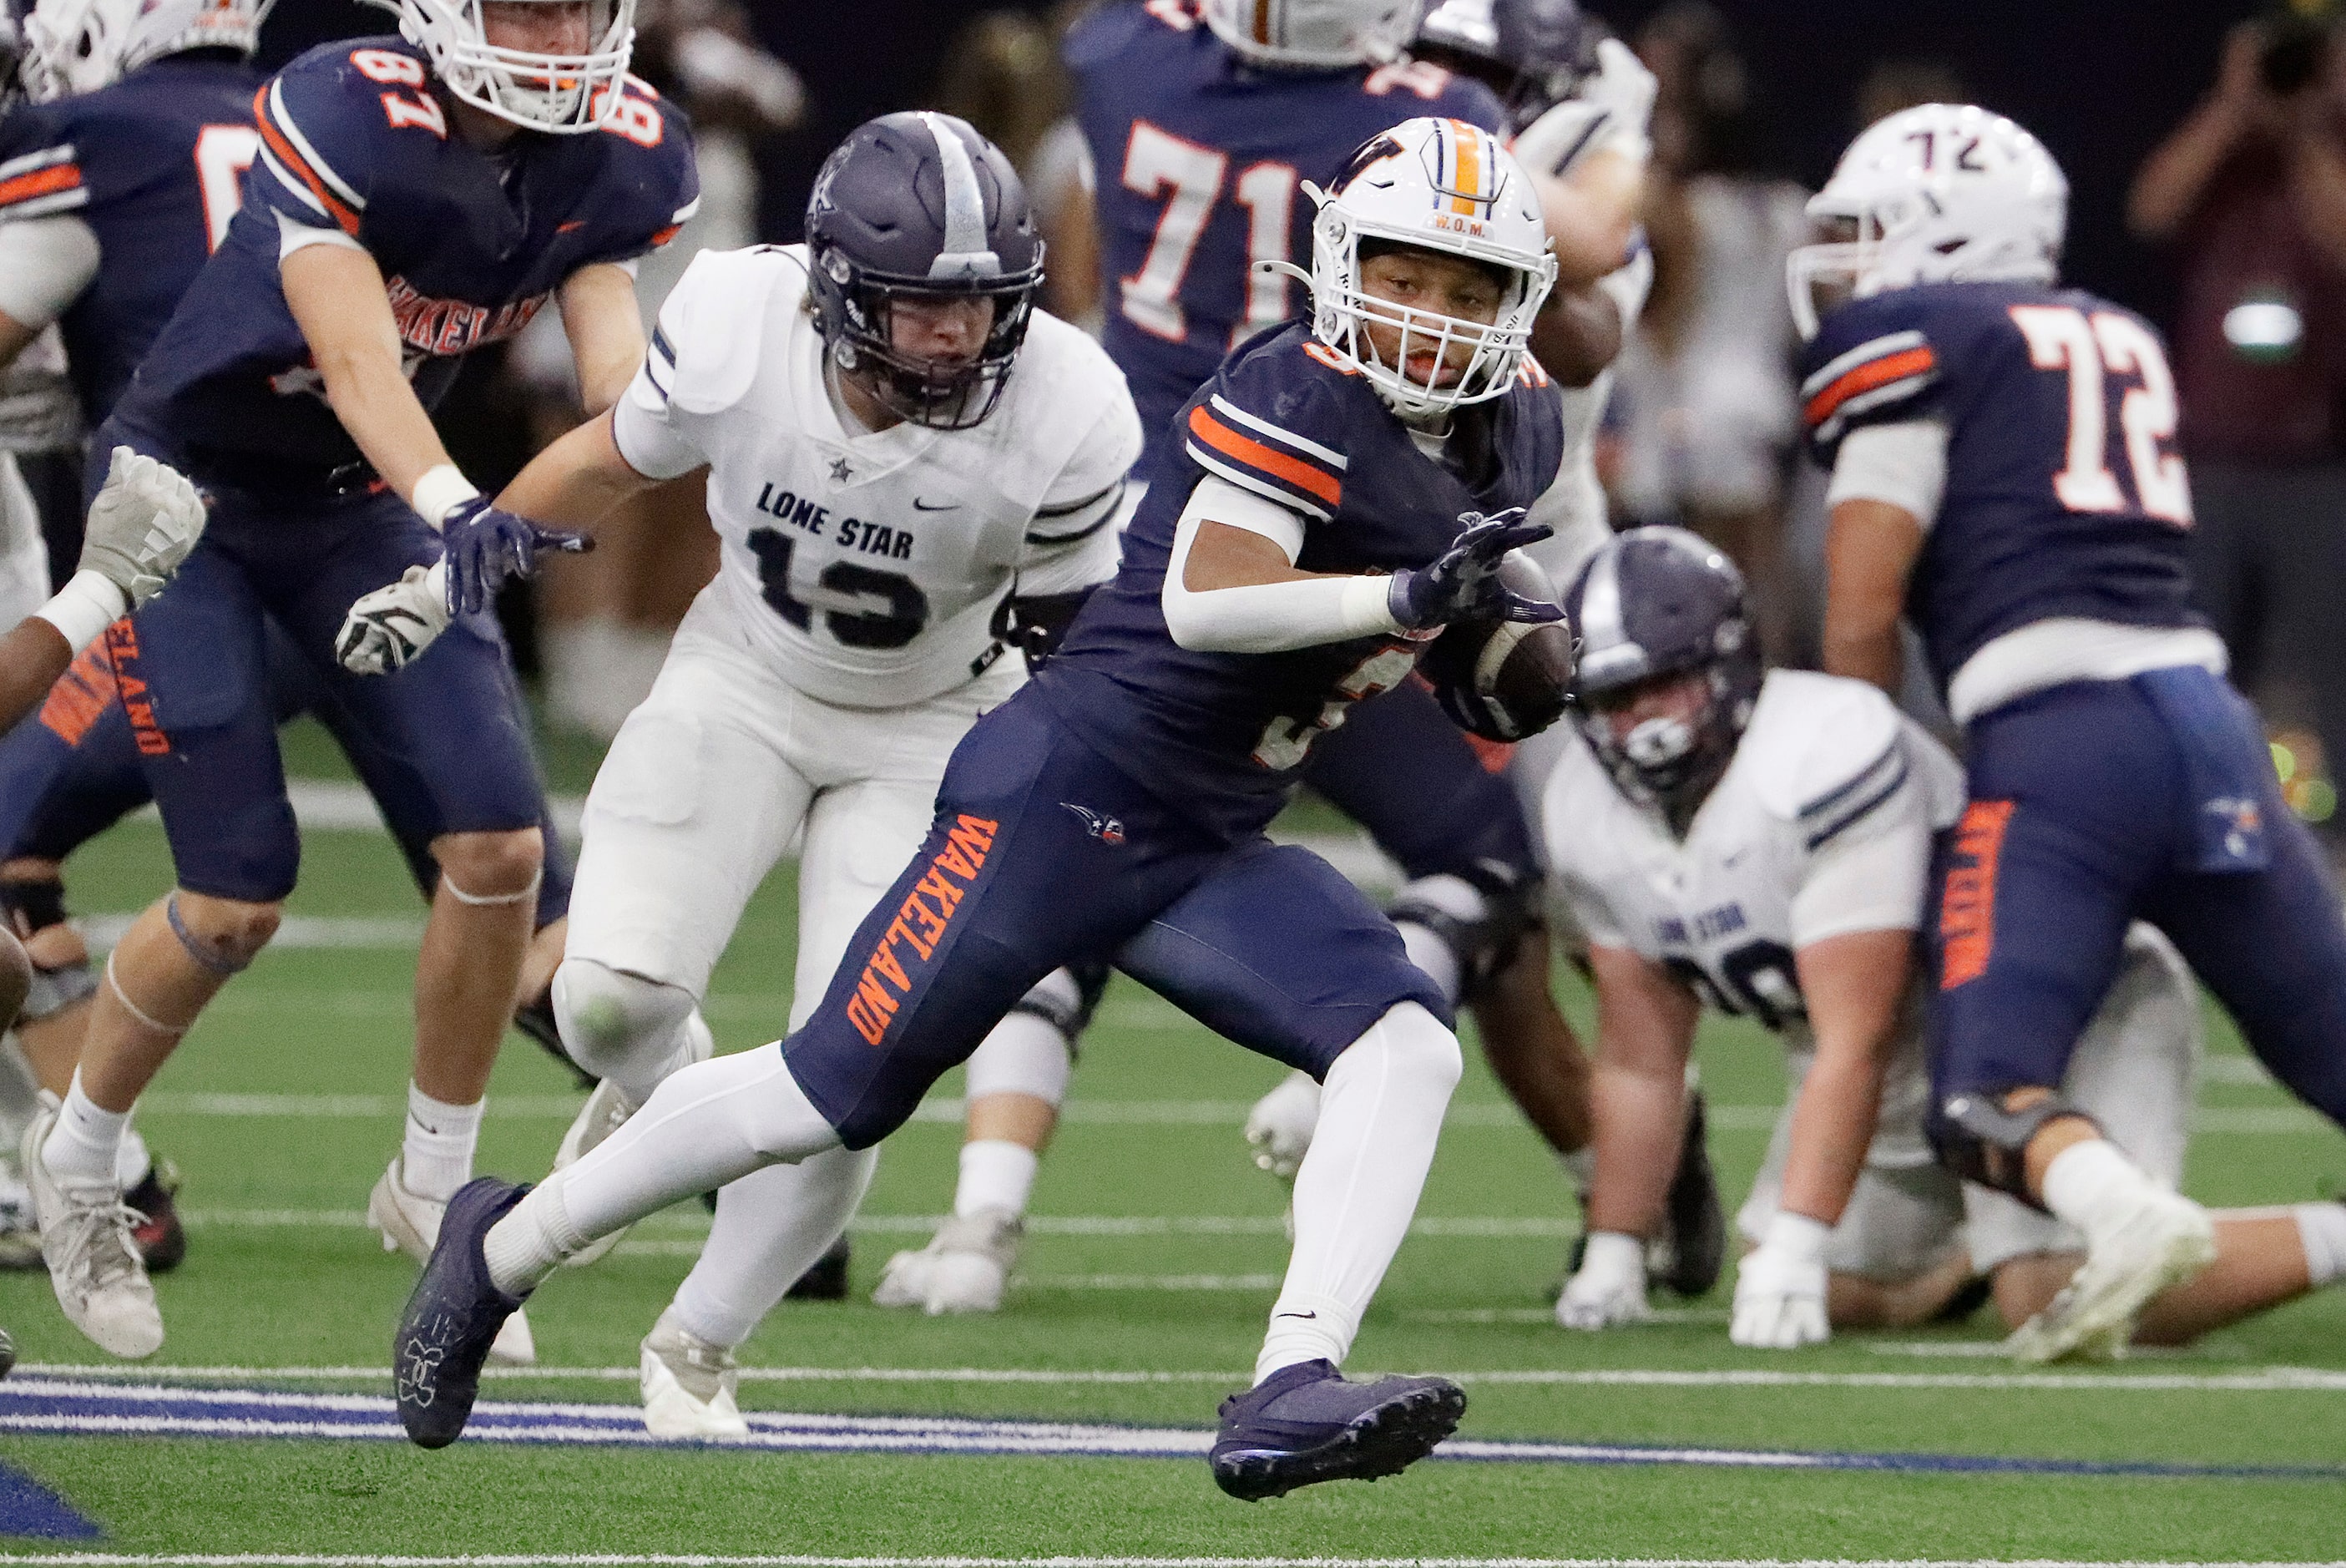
x,y
2092,349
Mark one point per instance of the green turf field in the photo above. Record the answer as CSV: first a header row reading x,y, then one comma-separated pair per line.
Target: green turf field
x,y
1156,1251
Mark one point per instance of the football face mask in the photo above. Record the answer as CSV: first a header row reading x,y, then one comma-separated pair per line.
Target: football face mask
x,y
552,66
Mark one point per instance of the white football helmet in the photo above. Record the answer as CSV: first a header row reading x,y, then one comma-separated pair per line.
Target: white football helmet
x,y
1941,193
1315,35
80,45
1436,185
561,94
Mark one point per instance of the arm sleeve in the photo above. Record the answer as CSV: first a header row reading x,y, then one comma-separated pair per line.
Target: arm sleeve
x,y
46,263
1268,617
652,434
1869,873
1905,464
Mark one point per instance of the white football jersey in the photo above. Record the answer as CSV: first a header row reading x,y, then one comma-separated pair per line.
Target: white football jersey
x,y
1820,827
867,565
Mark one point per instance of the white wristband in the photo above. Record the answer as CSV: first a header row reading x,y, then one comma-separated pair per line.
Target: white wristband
x,y
440,491
1796,1235
82,610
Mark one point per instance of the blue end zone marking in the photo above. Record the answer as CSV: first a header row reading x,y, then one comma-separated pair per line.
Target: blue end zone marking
x,y
29,1507
56,1406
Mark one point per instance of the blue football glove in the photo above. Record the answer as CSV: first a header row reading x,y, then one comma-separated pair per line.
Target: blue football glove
x,y
485,546
1464,580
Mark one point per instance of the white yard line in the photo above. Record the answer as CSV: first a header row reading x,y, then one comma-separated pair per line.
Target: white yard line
x,y
705,1560
2267,1380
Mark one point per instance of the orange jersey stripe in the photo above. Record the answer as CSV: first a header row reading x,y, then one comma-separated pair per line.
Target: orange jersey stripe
x,y
283,148
1255,455
40,182
1866,378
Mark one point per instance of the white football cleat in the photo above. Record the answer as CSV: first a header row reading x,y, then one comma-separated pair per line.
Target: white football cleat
x,y
410,1224
94,1263
605,1112
1279,1126
688,1384
964,1269
2166,1242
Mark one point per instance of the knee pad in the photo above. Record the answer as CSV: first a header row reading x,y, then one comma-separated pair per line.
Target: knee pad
x,y
1066,999
1479,913
609,1018
1981,1141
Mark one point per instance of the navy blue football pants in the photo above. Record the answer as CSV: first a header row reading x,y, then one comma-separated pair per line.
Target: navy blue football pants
x,y
1401,769
71,770
2100,802
1043,853
447,733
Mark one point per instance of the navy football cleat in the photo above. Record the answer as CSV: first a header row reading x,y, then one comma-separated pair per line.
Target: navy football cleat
x,y
452,1318
1305,1424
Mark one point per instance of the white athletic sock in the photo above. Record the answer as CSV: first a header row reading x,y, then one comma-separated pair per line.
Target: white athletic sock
x,y
712,1122
85,1147
771,1226
998,1174
132,1161
2093,1186
437,1156
531,1241
1380,1115
2322,1231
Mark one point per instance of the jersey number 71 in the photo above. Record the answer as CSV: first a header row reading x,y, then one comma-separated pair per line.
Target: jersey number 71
x,y
2091,349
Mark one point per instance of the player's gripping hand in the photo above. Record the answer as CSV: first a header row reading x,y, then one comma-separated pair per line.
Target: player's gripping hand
x,y
1609,1287
1464,580
1779,1288
387,629
1279,1126
145,519
486,547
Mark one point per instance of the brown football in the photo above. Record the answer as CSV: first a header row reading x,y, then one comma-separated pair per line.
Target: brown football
x,y
1503,680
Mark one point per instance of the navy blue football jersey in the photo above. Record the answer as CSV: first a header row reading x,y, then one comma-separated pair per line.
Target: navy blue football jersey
x,y
1198,161
471,244
1220,735
2065,496
155,165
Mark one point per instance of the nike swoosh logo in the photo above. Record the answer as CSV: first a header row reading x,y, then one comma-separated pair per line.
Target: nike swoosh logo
x,y
1313,1314
921,505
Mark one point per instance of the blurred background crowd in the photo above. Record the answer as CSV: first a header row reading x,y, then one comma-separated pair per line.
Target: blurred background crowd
x,y
2205,145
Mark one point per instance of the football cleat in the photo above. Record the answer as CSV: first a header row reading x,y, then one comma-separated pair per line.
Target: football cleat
x,y
1689,1255
964,1269
2166,1242
1306,1424
688,1384
452,1318
93,1264
20,1230
826,1279
410,1224
162,1239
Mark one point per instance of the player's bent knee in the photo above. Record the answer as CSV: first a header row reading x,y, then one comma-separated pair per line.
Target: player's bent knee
x,y
491,868
609,1017
222,935
1981,1140
1415,1047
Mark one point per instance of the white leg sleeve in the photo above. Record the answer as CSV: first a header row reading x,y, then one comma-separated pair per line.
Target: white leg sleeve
x,y
1381,1113
771,1226
713,1122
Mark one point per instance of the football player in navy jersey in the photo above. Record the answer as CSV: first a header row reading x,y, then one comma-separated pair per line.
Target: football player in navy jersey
x,y
133,153
2003,475
1347,487
1205,119
414,198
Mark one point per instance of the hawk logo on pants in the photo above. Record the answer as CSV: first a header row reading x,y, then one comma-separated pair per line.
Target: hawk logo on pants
x,y
920,925
1106,829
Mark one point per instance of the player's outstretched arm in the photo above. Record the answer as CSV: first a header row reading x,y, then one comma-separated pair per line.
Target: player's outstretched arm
x,y
1645,1033
1870,550
606,332
1587,157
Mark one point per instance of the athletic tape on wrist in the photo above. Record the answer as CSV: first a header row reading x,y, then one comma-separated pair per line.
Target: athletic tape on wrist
x,y
440,491
486,900
206,955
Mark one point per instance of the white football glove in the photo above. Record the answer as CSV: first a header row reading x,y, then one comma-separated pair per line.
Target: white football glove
x,y
1780,1287
1610,1287
1279,1126
390,628
145,519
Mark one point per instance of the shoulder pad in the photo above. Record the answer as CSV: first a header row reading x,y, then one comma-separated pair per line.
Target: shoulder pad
x,y
714,325
1873,362
1066,390
650,180
1276,420
332,130
1102,33
1822,750
40,168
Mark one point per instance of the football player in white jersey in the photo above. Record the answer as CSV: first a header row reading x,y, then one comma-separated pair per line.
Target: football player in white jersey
x,y
902,518
1762,847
